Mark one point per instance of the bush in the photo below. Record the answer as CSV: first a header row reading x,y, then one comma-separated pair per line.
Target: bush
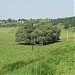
x,y
37,34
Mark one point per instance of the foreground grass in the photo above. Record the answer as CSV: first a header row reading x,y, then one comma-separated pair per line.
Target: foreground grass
x,y
21,60
59,63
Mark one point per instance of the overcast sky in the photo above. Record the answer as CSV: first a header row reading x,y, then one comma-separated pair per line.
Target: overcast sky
x,y
36,8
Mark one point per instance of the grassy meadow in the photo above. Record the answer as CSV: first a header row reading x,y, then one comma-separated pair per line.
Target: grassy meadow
x,y
53,59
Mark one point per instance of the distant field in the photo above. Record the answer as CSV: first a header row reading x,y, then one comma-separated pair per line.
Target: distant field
x,y
59,56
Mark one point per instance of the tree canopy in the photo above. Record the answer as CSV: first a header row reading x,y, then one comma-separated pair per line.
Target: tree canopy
x,y
40,33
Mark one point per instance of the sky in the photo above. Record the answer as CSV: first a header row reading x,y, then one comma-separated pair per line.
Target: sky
x,y
27,9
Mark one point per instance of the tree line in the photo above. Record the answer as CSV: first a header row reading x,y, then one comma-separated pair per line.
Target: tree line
x,y
67,22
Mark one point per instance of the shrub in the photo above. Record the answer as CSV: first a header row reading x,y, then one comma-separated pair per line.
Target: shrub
x,y
37,34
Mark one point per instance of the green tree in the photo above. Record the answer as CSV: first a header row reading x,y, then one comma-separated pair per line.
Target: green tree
x,y
43,33
9,20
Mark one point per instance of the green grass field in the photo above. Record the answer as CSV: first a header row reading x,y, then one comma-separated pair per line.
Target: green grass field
x,y
53,59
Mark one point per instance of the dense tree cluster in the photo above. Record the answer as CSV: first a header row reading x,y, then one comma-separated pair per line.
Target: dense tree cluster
x,y
39,33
